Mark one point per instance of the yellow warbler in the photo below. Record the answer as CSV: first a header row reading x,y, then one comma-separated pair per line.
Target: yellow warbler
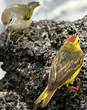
x,y
65,67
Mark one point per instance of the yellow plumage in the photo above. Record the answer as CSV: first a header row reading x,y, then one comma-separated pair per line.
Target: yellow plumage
x,y
65,67
45,96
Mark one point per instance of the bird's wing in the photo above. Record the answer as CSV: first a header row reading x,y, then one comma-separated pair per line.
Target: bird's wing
x,y
27,14
64,65
20,11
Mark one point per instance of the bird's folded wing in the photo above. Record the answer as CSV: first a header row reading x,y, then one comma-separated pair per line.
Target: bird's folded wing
x,y
63,67
19,11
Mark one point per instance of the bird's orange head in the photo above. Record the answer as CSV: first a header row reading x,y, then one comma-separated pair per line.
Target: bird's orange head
x,y
74,40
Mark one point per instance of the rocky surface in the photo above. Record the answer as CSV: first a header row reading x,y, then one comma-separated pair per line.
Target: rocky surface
x,y
27,58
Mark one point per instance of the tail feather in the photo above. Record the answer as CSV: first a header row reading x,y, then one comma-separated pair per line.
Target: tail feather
x,y
45,97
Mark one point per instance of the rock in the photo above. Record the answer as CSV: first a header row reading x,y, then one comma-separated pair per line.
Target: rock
x,y
27,59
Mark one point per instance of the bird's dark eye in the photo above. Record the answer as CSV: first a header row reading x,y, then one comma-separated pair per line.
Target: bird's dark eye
x,y
78,40
10,19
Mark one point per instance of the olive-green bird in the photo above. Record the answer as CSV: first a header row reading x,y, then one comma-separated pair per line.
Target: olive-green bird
x,y
18,16
65,67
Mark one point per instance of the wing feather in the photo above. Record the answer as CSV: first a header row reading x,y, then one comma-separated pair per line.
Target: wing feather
x,y
65,64
20,11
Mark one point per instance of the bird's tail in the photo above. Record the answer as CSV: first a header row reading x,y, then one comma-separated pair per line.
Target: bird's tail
x,y
45,97
33,4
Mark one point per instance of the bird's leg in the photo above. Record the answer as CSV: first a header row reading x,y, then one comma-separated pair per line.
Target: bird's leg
x,y
8,37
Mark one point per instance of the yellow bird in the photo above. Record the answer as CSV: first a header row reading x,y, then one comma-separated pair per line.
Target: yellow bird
x,y
65,67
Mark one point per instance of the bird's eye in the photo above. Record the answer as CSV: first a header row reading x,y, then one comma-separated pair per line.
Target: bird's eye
x,y
78,40
10,19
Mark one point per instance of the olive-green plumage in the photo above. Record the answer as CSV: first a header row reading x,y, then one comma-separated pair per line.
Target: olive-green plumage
x,y
65,67
18,16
